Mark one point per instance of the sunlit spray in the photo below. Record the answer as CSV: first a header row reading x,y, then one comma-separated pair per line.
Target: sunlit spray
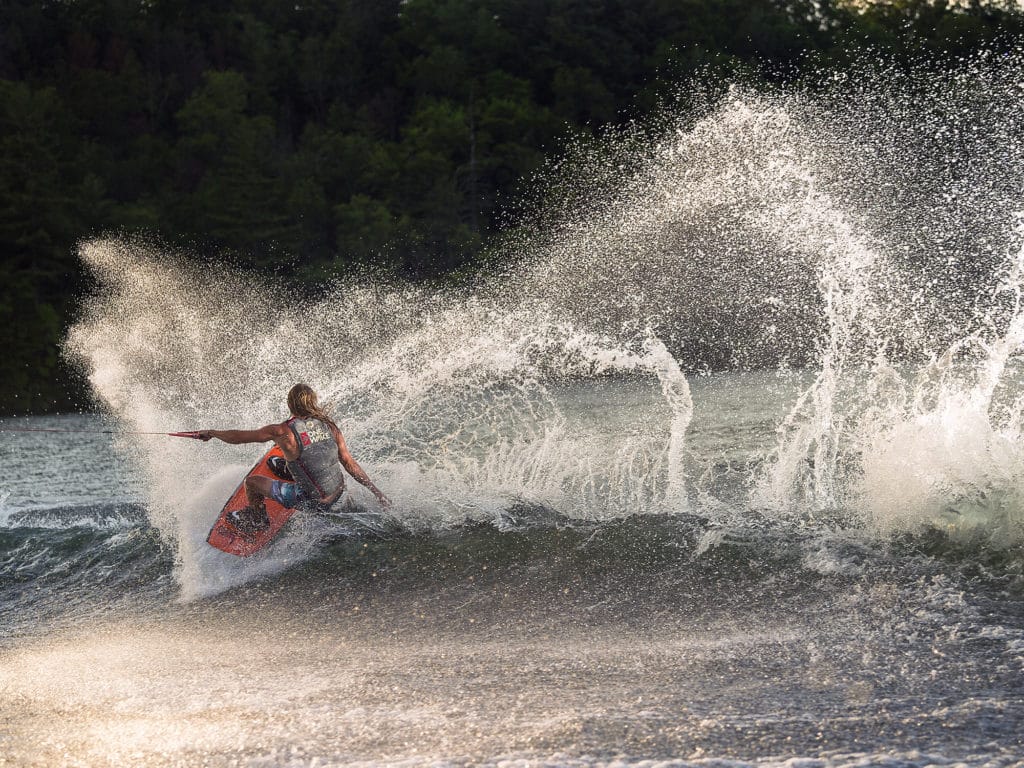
x,y
849,233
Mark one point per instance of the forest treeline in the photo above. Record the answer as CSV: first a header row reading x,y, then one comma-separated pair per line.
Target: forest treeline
x,y
314,135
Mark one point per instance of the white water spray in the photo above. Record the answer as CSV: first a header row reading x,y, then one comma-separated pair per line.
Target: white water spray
x,y
812,231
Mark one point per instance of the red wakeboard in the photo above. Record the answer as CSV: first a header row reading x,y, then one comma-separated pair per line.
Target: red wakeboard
x,y
226,537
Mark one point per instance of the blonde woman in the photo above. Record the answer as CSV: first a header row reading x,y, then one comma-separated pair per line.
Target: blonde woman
x,y
314,451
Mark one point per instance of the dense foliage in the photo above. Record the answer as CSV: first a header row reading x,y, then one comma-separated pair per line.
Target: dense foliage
x,y
310,136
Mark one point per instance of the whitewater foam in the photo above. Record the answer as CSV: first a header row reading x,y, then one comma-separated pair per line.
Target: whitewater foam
x,y
815,228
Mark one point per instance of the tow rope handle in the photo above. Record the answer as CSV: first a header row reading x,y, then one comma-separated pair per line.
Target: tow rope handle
x,y
193,435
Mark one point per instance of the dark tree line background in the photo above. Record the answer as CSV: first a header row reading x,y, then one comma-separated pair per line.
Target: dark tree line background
x,y
316,135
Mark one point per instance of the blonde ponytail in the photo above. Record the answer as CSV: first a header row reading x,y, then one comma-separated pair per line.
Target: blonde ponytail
x,y
303,401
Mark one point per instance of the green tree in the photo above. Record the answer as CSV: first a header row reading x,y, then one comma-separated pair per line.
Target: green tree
x,y
40,215
228,168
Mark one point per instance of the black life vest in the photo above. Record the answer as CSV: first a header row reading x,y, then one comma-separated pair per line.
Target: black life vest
x,y
317,469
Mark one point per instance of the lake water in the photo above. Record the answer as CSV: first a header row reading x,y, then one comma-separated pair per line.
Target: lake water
x,y
598,553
